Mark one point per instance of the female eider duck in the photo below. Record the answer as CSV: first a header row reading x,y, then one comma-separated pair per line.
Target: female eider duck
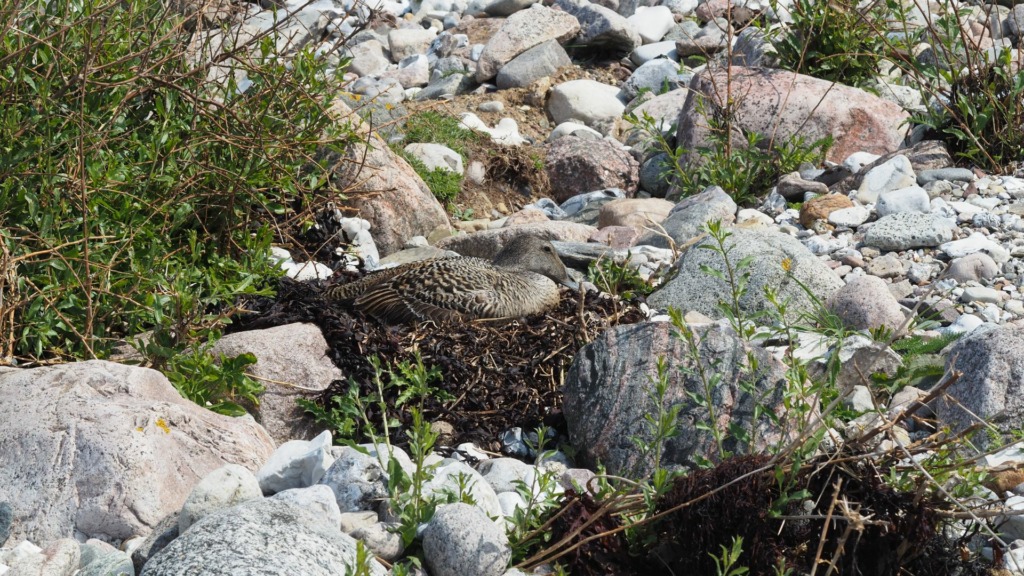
x,y
521,280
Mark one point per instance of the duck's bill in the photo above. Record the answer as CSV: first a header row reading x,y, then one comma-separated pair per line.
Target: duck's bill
x,y
570,283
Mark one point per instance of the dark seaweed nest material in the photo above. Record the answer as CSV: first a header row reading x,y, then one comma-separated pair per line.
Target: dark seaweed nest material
x,y
501,374
872,530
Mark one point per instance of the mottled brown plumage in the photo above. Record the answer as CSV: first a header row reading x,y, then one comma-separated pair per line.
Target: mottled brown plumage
x,y
519,281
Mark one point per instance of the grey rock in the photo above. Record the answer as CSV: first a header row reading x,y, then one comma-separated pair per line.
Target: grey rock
x,y
595,104
163,534
694,289
794,188
866,303
921,272
885,266
503,473
975,243
6,519
405,42
352,521
973,267
133,432
849,217
93,549
447,87
712,38
609,391
1014,22
454,477
753,49
893,174
944,174
385,88
260,537
493,107
318,499
436,156
116,563
911,199
590,202
1013,269
381,539
663,109
652,22
387,118
358,480
656,75
538,62
292,364
222,488
992,365
413,71
296,464
289,33
460,539
522,31
688,217
982,294
906,230
448,66
648,52
859,399
905,398
681,7
655,174
58,558
861,357
507,7
601,27
367,58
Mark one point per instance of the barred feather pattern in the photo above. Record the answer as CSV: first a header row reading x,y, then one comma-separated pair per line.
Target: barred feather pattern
x,y
459,289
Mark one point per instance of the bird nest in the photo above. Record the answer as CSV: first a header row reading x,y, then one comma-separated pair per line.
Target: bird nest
x,y
494,375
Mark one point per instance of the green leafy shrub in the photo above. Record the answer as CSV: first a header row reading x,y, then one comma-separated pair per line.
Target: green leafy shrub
x,y
445,184
981,112
134,193
432,127
745,170
833,41
219,384
619,279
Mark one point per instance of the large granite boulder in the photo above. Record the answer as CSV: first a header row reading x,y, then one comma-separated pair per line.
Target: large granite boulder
x,y
522,31
778,262
263,536
779,105
991,384
292,364
384,188
107,450
608,395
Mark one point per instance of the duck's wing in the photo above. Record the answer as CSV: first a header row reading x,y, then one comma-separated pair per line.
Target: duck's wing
x,y
353,290
443,290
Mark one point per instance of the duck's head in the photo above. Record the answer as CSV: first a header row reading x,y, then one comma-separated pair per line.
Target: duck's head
x,y
536,255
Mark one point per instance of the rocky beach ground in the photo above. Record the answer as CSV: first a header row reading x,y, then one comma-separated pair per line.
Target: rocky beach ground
x,y
835,276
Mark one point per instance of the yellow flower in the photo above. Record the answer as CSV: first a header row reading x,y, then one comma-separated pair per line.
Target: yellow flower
x,y
787,264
